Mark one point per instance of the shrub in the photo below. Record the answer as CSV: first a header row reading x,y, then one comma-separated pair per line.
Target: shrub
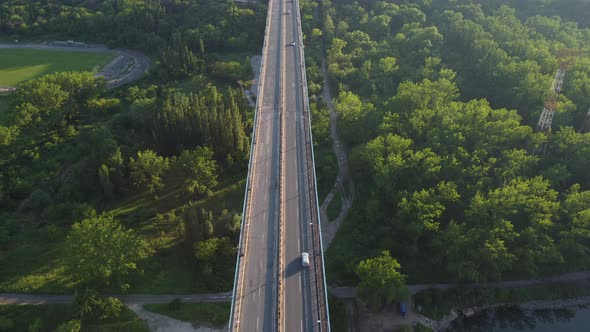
x,y
174,304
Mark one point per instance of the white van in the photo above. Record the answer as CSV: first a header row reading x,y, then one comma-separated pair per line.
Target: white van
x,y
305,259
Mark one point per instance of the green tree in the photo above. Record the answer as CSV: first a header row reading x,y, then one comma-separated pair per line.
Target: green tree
x,y
73,325
83,211
6,323
355,117
575,233
105,181
386,67
199,170
146,171
102,253
39,200
89,305
381,281
8,135
36,325
228,224
212,251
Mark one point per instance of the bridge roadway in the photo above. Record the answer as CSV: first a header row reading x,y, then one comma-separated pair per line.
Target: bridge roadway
x,y
273,295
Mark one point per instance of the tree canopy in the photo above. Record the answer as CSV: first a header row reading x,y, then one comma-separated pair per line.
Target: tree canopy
x,y
438,102
103,253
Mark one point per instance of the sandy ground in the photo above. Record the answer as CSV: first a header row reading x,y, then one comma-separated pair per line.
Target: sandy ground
x,y
162,323
388,319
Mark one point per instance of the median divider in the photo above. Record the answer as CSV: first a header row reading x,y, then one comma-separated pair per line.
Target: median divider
x,y
282,145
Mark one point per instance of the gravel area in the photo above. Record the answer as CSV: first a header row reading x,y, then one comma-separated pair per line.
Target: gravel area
x,y
163,323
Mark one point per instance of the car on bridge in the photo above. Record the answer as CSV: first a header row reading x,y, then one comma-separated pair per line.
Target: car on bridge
x,y
305,259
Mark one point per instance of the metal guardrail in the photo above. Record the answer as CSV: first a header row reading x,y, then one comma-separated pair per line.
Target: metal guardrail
x,y
321,288
234,317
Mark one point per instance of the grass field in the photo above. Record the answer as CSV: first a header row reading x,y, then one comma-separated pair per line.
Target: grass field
x,y
19,65
4,105
34,264
48,317
199,314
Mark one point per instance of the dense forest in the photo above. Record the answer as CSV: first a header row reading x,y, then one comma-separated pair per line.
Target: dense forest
x,y
98,185
438,102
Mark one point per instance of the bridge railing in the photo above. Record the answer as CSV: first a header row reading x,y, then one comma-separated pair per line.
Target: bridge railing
x,y
316,230
238,275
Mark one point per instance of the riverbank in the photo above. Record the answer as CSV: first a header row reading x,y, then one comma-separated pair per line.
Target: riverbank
x,y
442,323
440,305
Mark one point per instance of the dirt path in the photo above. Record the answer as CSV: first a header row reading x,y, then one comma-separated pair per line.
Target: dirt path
x,y
135,302
13,298
126,67
390,319
253,91
163,323
343,185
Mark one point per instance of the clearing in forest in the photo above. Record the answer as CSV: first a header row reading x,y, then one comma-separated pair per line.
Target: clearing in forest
x,y
19,65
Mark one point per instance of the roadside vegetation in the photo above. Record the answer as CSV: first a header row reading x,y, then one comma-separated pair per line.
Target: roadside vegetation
x,y
333,210
135,189
338,319
438,104
62,318
199,314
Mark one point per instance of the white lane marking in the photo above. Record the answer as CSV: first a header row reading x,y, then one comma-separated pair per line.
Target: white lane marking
x,y
299,287
302,325
257,322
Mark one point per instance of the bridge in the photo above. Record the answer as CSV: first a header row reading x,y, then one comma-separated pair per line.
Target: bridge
x,y
280,220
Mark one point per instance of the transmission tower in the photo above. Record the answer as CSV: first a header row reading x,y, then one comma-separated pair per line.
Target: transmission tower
x,y
566,58
544,124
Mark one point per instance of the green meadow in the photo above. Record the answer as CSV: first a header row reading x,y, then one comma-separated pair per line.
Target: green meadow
x,y
19,65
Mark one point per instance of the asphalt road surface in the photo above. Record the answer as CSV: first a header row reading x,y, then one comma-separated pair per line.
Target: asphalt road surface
x,y
258,304
281,91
